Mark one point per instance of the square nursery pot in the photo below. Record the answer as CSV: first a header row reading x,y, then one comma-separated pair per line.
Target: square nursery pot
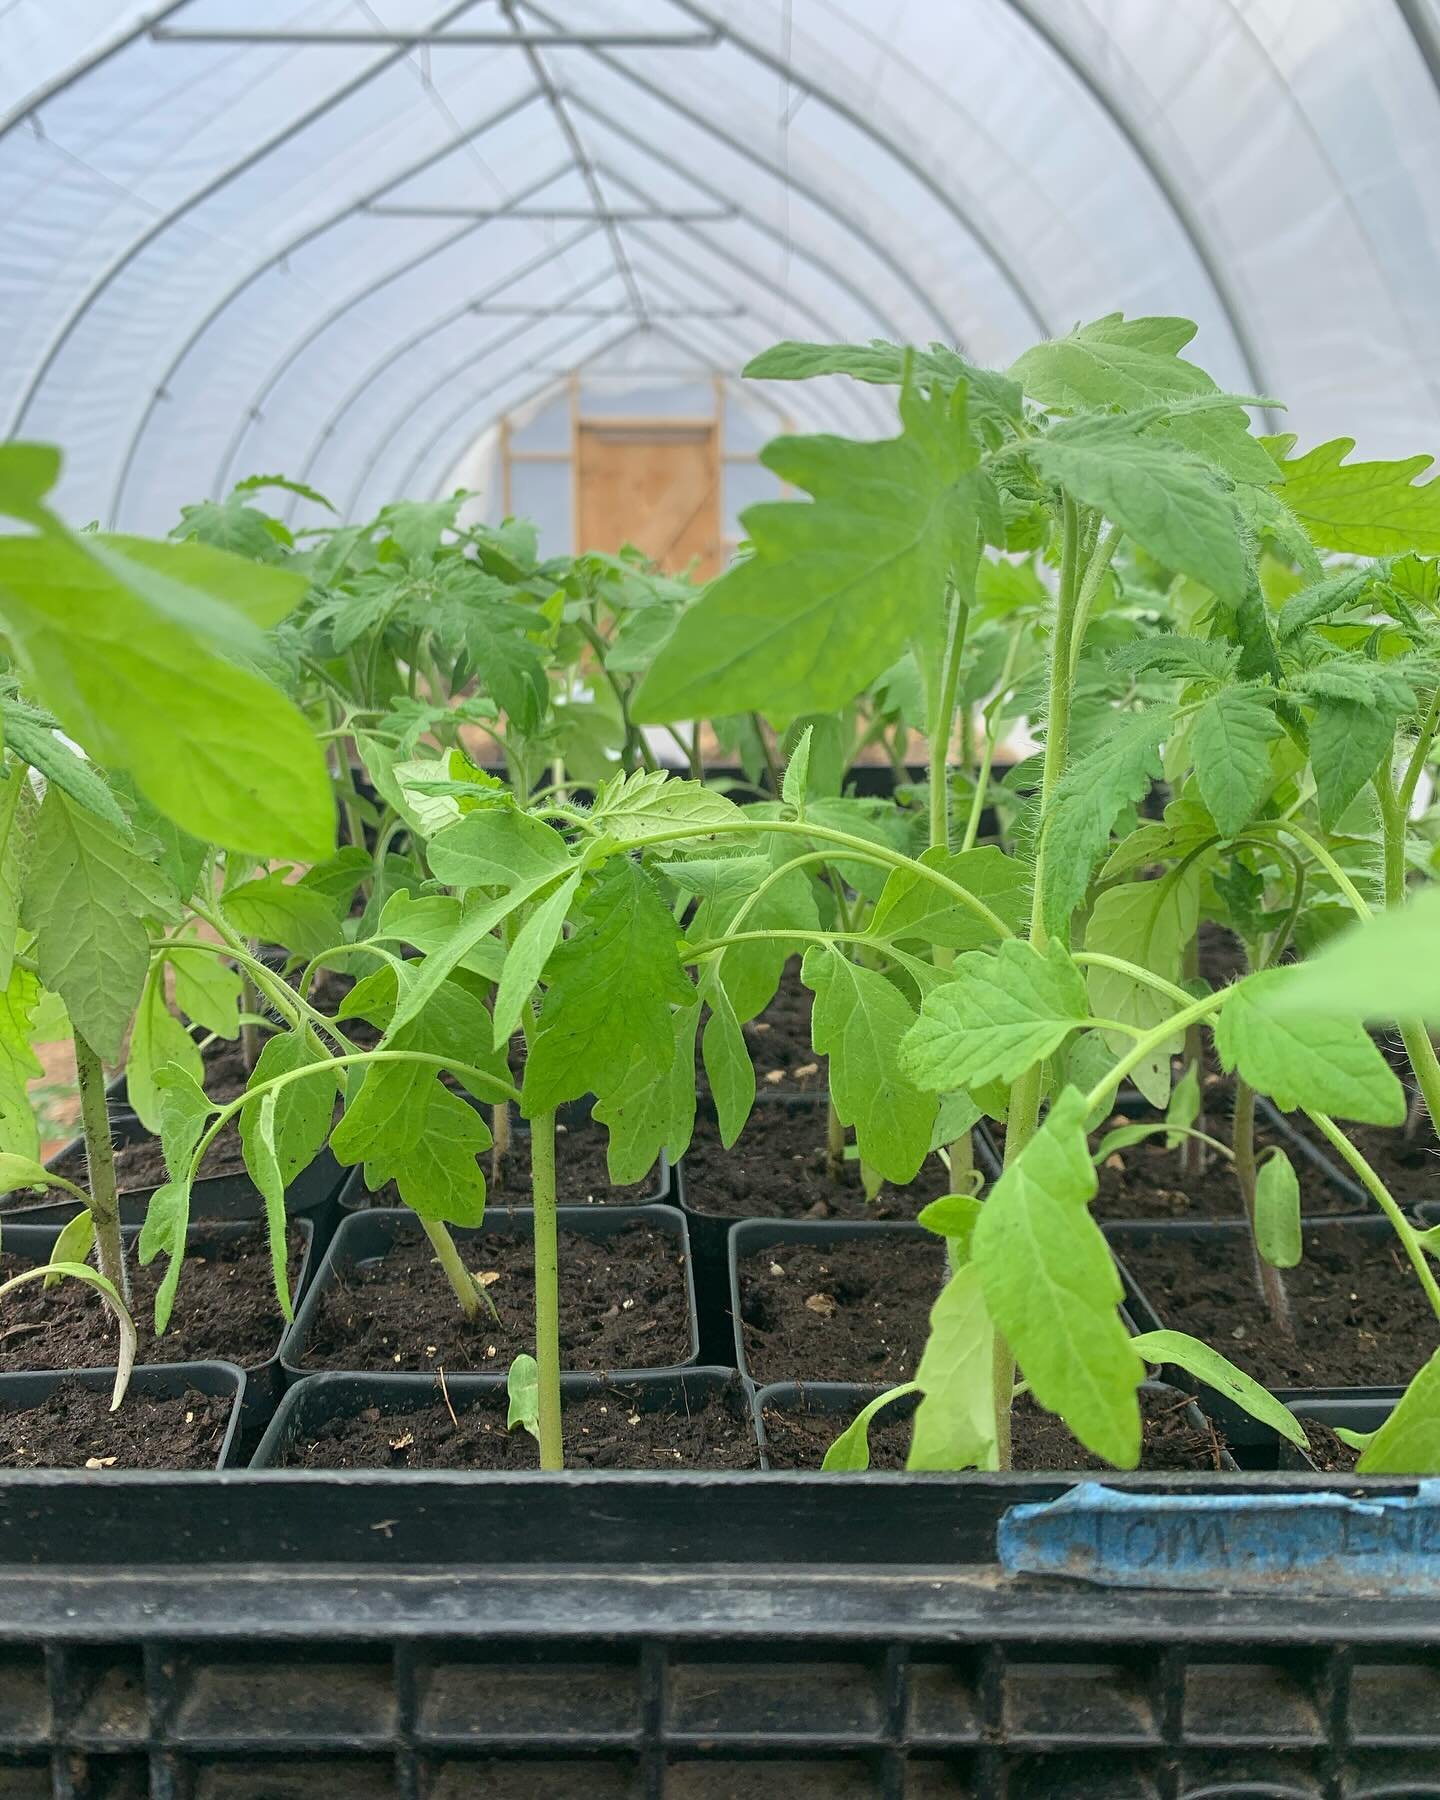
x,y
264,1381
1360,1242
365,1237
318,1402
313,1195
574,1115
164,1381
836,1403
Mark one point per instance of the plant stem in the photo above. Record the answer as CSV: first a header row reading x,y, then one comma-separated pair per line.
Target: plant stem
x,y
547,1288
451,1261
249,1032
500,1132
1242,1135
834,1143
1192,1149
100,1160
987,755
1413,1034
942,719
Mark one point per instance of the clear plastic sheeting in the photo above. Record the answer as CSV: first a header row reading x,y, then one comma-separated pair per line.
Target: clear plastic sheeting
x,y
322,239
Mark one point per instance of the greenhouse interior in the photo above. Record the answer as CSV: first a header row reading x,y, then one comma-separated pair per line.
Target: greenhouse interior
x,y
720,900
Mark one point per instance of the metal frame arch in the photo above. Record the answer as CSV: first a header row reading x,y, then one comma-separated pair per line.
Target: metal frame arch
x,y
137,246
307,236
313,333
883,141
77,71
474,305
1033,16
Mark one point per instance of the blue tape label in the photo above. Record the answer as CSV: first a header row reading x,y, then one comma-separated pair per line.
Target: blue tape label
x,y
1322,1543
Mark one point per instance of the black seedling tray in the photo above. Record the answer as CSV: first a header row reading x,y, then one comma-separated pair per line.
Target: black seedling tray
x,y
252,1636
167,1380
316,1399
842,1400
1370,1234
366,1236
264,1382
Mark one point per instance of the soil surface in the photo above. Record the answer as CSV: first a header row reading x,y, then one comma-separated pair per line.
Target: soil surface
x,y
1222,955
1359,1315
779,1042
611,1430
1146,1181
581,1175
799,1440
140,1163
225,1310
1327,1453
1409,1167
776,1169
74,1428
855,1310
623,1305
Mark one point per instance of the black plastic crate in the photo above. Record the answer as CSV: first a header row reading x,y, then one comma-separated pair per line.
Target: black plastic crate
x,y
262,1635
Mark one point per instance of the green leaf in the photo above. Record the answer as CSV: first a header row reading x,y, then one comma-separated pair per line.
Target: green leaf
x,y
850,1452
1184,1107
18,806
955,1421
419,526
1170,502
23,1172
1148,923
954,1217
835,588
858,1022
124,644
1381,971
231,525
993,397
74,1243
498,848
27,734
1336,591
284,912
648,803
727,1060
439,1175
1134,364
88,901
428,922
912,907
1408,1443
1088,799
207,989
495,632
1367,509
528,955
1207,1365
19,1065
299,1116
1230,743
1052,1288
157,1039
1183,658
1327,1063
998,1016
795,785
653,1108
1348,742
522,1387
611,989
1277,1211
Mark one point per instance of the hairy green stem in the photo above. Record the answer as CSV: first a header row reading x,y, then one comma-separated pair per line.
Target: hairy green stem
x,y
987,755
100,1161
834,1143
547,1288
1428,727
447,1254
942,718
1413,1034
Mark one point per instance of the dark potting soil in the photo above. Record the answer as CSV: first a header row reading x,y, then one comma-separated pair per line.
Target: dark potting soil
x,y
1146,1181
855,1310
1329,1455
1409,1167
799,1440
609,1430
140,1163
74,1428
1222,955
581,1175
623,1305
1360,1317
779,1042
226,1310
776,1169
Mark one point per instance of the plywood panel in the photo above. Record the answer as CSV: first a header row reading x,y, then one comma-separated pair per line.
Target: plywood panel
x,y
653,483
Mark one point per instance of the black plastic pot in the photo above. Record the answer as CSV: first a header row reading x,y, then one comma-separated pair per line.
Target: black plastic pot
x,y
166,1380
264,1382
842,1400
366,1236
1352,1415
317,1399
1370,1236
822,1637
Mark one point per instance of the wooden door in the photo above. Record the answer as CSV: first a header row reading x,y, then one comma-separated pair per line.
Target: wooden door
x,y
651,483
